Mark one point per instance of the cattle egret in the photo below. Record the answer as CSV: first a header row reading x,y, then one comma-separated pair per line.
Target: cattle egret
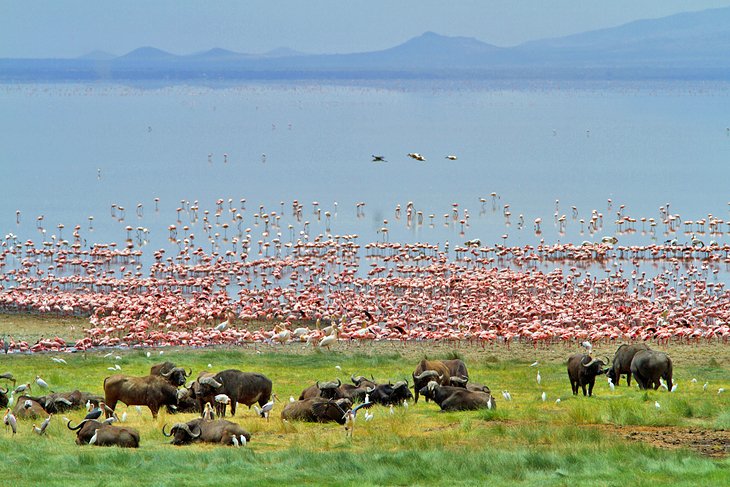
x,y
557,401
506,395
161,352
663,384
704,388
657,405
109,420
674,387
234,440
58,360
108,355
367,397
124,416
544,396
587,345
405,403
88,405
694,381
338,368
117,367
489,403
148,354
721,390
222,399
392,411
611,384
11,399
291,399
538,378
41,383
9,420
117,358
534,364
28,404
243,440
210,366
368,416
93,438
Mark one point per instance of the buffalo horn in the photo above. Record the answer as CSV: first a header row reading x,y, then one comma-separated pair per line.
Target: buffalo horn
x,y
210,381
167,434
426,373
369,390
400,383
4,392
356,380
460,379
167,374
63,400
189,374
194,435
593,361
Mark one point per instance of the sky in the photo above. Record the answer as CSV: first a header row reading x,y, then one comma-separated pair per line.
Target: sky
x,y
70,28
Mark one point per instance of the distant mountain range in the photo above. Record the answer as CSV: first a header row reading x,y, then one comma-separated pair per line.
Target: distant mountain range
x,y
691,45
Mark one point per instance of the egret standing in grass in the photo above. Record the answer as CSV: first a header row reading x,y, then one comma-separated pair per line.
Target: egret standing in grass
x,y
41,383
538,378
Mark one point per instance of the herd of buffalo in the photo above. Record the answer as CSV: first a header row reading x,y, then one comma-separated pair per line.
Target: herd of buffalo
x,y
445,382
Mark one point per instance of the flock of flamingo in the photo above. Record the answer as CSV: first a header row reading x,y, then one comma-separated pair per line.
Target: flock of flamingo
x,y
218,283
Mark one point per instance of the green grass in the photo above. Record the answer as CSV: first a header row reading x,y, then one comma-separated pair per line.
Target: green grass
x,y
522,442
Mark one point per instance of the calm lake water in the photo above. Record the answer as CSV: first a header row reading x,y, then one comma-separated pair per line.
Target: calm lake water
x,y
68,152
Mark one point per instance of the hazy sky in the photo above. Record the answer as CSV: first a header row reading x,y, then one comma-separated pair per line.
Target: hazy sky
x,y
69,28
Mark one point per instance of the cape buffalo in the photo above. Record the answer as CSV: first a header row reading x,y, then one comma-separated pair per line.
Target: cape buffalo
x,y
151,391
582,372
317,410
186,402
648,366
203,430
362,381
84,430
58,402
451,398
174,375
106,435
387,394
242,387
622,362
328,390
27,408
4,398
456,367
429,370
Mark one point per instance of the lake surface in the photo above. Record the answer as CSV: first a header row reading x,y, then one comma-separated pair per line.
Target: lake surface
x,y
68,152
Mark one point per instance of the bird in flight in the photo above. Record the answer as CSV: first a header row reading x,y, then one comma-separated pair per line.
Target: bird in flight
x,y
416,156
379,158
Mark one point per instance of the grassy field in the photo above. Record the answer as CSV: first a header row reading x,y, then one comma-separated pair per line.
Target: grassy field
x,y
612,438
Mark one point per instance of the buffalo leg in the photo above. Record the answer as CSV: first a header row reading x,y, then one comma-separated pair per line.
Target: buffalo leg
x,y
574,387
590,387
583,386
628,379
154,410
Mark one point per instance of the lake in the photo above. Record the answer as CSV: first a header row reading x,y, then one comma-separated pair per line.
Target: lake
x,y
71,151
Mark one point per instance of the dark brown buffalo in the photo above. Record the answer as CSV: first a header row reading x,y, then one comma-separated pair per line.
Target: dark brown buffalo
x,y
58,402
648,366
173,374
203,430
450,398
242,387
317,410
390,394
186,402
622,362
28,408
429,370
328,390
151,391
4,398
461,381
457,368
84,430
362,381
582,372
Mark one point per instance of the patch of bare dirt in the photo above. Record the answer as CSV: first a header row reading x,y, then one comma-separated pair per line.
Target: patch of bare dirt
x,y
713,443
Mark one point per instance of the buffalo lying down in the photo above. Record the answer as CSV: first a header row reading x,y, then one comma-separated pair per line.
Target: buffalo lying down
x,y
207,431
106,434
